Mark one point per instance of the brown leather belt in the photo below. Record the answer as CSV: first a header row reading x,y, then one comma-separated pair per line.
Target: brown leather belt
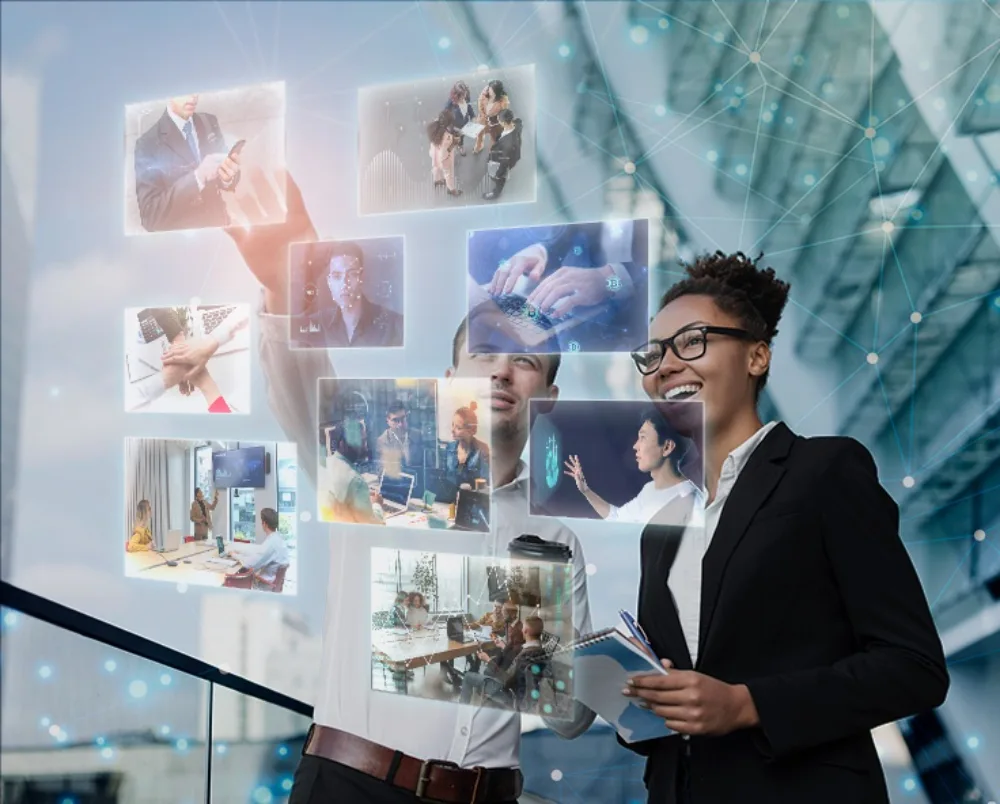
x,y
430,780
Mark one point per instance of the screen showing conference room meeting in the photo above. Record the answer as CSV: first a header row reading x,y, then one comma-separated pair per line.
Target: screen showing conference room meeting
x,y
211,513
575,287
620,461
452,141
476,630
206,160
192,358
405,453
346,294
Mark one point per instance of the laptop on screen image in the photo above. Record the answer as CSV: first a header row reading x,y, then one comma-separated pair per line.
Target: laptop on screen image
x,y
472,511
395,491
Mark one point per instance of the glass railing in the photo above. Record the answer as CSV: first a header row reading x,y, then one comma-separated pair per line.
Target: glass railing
x,y
96,715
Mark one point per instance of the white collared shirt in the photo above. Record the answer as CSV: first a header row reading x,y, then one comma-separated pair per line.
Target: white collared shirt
x,y
265,559
180,122
685,574
650,501
422,728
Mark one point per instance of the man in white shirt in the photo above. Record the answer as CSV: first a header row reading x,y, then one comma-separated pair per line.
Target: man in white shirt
x,y
669,495
270,556
343,494
389,747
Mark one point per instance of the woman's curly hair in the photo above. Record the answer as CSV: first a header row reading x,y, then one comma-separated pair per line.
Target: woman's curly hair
x,y
753,295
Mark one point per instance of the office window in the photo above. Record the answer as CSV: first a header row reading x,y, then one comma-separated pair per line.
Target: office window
x,y
203,469
287,460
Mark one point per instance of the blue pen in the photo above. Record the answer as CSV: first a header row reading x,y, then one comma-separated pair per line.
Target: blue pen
x,y
636,630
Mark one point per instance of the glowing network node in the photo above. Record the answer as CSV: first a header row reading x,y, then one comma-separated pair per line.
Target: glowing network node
x,y
44,671
564,51
939,104
917,214
996,301
971,175
872,358
138,689
107,752
54,392
535,695
164,730
286,784
99,741
547,709
741,170
660,110
444,43
54,730
888,226
629,167
556,775
909,785
755,57
591,569
908,482
221,748
992,93
809,180
843,12
181,744
165,679
870,132
639,34
973,743
767,117
712,156
44,722
799,60
916,317
719,37
262,795
110,665
979,535
789,120
881,147
282,750
664,23
10,618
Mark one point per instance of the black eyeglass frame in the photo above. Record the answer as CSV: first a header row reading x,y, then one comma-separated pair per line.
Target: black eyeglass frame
x,y
663,343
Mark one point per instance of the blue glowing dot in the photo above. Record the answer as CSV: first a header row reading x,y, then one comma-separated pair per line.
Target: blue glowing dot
x,y
137,689
283,751
547,709
110,665
45,722
164,730
578,250
53,392
62,737
741,170
535,695
44,671
181,744
444,43
536,669
99,741
560,685
107,752
286,784
660,110
973,743
909,785
664,23
10,618
789,120
809,180
996,301
67,800
165,679
639,34
564,51
712,156
262,795
221,748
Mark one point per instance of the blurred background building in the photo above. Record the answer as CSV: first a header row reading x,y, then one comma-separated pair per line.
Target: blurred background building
x,y
855,144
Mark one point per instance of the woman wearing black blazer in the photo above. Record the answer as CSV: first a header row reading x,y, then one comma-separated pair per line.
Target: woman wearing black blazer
x,y
794,622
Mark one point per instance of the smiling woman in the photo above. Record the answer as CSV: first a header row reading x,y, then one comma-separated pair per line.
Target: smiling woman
x,y
850,643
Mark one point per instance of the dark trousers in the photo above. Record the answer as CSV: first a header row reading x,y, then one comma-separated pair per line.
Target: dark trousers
x,y
320,781
683,783
497,187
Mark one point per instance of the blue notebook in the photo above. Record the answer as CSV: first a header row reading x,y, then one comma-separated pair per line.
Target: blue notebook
x,y
603,662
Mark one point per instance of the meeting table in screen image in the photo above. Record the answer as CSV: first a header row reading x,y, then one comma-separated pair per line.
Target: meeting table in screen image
x,y
220,514
577,287
618,461
405,453
473,630
206,160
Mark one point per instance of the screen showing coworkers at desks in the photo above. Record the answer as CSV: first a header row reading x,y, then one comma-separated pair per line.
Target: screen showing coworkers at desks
x,y
494,627
184,526
410,453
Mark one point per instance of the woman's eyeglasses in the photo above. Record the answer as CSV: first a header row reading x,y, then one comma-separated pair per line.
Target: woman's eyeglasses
x,y
688,344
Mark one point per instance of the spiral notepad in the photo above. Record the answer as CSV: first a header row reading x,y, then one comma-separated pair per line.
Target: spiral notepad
x,y
603,662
